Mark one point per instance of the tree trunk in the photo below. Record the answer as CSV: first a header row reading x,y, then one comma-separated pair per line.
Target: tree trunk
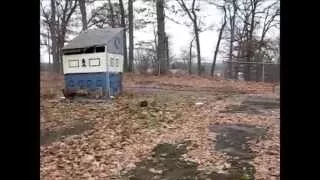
x,y
231,45
161,54
230,56
190,57
250,38
218,44
60,60
232,31
58,29
123,24
167,52
83,11
196,32
61,41
156,66
237,66
49,50
130,7
53,31
112,14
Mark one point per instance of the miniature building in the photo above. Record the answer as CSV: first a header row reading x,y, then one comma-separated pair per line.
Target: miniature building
x,y
93,61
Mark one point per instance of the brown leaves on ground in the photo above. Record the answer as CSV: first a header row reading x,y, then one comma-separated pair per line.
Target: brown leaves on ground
x,y
197,83
121,132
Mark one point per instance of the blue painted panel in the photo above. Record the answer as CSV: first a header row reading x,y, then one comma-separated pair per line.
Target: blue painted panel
x,y
115,83
93,81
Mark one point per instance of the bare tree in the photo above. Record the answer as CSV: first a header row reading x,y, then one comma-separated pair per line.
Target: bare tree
x,y
187,54
167,51
232,21
123,24
111,14
219,40
233,8
193,17
82,5
156,65
130,9
269,21
161,37
58,18
190,57
45,40
98,16
251,11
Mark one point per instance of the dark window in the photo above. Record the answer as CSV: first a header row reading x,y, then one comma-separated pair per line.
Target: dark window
x,y
89,50
100,49
73,51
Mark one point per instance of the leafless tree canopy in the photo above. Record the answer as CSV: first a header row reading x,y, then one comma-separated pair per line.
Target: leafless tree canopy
x,y
249,23
244,32
57,18
191,12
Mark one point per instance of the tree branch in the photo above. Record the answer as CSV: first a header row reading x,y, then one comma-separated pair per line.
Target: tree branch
x,y
183,6
95,14
45,15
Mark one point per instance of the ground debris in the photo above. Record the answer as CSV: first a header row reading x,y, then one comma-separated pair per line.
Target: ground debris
x,y
113,139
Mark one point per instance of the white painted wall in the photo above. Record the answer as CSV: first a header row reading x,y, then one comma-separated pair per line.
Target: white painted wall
x,y
71,60
73,63
115,62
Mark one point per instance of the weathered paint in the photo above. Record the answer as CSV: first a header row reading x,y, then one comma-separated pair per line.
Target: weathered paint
x,y
94,81
95,62
92,71
115,45
70,60
93,37
115,62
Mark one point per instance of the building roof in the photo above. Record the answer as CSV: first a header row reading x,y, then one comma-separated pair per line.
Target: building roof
x,y
93,37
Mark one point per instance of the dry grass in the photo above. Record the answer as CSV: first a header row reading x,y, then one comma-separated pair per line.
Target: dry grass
x,y
51,84
198,82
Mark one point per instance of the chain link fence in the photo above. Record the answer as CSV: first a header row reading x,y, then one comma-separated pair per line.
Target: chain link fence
x,y
252,71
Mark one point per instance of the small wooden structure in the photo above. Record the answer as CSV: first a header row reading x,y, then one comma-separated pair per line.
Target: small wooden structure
x,y
93,62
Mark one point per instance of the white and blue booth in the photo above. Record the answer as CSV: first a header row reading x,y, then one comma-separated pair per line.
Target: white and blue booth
x,y
94,61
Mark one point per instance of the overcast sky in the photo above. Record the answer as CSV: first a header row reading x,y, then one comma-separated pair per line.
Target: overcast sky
x,y
180,35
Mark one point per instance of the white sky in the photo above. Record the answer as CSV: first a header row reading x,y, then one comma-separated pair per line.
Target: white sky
x,y
180,35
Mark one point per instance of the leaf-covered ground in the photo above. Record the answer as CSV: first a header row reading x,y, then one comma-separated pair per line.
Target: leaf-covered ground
x,y
118,139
